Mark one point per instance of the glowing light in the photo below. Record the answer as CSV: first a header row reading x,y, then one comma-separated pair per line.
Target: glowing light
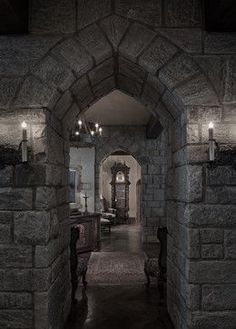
x,y
80,123
77,133
92,132
24,125
211,125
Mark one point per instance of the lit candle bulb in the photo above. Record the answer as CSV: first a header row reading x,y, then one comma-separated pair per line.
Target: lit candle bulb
x,y
80,124
24,142
96,127
211,142
100,131
92,132
77,133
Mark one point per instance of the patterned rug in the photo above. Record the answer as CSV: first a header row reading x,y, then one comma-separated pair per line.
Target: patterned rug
x,y
116,268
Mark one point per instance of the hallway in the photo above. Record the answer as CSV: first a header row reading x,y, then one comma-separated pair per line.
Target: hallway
x,y
123,306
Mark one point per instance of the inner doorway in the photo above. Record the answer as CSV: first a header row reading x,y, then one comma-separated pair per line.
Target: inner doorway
x,y
120,174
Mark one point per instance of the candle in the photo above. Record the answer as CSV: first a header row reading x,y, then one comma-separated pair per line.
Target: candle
x,y
24,142
96,127
80,124
211,142
92,132
100,131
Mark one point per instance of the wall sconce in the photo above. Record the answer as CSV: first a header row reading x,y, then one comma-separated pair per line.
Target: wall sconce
x,y
24,149
212,142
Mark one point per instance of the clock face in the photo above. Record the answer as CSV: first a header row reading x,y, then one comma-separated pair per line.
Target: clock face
x,y
120,177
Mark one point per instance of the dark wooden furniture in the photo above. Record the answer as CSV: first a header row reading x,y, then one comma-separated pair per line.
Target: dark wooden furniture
x,y
90,227
85,237
120,191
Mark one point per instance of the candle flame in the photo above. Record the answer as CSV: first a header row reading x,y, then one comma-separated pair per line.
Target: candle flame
x,y
24,125
211,125
77,133
96,125
80,122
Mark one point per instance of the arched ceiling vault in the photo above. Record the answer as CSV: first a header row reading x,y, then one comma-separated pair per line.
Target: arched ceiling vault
x,y
67,75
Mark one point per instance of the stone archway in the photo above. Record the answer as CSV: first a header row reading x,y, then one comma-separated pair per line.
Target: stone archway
x,y
68,75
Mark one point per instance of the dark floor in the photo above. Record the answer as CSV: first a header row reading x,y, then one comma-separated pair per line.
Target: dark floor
x,y
123,307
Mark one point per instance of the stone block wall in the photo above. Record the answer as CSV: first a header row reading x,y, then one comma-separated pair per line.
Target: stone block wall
x,y
201,224
34,230
151,155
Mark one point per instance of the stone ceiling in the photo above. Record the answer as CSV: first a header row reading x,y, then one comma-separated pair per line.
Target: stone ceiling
x,y
119,109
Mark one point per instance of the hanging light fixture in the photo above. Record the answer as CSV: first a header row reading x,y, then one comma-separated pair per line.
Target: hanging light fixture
x,y
85,131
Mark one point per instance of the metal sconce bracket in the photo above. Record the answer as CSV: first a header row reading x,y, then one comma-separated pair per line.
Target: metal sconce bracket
x,y
224,155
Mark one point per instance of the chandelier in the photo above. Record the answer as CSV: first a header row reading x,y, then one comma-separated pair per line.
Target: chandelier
x,y
86,131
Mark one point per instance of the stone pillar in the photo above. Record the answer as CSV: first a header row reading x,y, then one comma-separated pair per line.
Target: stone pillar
x,y
34,230
201,225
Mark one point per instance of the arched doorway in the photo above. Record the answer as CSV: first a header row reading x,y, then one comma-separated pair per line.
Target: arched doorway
x,y
50,100
134,175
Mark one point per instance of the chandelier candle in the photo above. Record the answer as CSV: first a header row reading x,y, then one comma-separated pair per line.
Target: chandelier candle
x,y
211,142
24,142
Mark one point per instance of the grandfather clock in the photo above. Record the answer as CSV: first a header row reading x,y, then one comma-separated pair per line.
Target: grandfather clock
x,y
120,190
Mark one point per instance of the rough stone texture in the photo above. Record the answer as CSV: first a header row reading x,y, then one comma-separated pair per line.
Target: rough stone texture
x,y
213,67
73,55
15,300
212,251
211,215
95,43
178,70
221,175
136,40
31,227
230,84
220,43
102,71
131,70
190,40
83,93
34,93
115,28
54,74
200,234
230,243
186,13
188,183
148,12
197,92
45,198
16,319
89,11
49,16
8,89
219,297
132,87
211,235
63,104
105,87
30,175
6,176
221,195
15,256
212,272
217,320
157,54
19,54
16,199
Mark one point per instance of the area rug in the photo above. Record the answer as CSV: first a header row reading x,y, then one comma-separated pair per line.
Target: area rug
x,y
116,268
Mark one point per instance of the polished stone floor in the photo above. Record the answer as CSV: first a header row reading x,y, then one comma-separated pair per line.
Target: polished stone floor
x,y
123,307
